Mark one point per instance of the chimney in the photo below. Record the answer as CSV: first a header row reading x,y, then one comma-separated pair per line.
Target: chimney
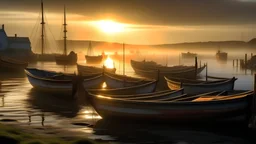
x,y
15,35
3,27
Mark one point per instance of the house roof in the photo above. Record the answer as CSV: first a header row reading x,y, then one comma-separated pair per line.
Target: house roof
x,y
18,40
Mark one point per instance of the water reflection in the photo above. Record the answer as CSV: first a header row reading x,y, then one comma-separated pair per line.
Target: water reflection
x,y
141,132
50,103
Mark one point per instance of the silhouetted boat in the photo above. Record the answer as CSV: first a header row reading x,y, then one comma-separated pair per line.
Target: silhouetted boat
x,y
120,81
190,72
66,59
90,58
159,95
151,65
188,55
9,64
200,107
199,86
56,82
85,70
138,89
221,55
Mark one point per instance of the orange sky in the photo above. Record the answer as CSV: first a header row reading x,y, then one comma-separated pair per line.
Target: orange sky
x,y
86,28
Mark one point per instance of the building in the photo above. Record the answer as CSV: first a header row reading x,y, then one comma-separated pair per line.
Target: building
x,y
13,43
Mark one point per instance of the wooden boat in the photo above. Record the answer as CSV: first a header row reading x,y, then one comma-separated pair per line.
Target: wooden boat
x,y
151,65
221,55
93,59
90,59
84,70
50,81
138,89
196,108
185,73
70,59
188,55
66,59
199,86
9,64
120,81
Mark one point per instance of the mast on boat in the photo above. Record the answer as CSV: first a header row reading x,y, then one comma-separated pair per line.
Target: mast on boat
x,y
65,32
42,23
123,59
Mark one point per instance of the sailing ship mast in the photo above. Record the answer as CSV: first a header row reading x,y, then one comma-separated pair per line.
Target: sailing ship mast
x,y
123,59
65,32
42,23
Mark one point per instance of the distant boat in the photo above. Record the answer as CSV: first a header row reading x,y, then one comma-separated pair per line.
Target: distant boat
x,y
158,72
90,58
188,55
221,55
9,64
66,59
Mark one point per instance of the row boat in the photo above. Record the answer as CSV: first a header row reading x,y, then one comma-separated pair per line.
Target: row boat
x,y
185,73
151,65
211,107
59,83
138,89
9,64
198,86
84,70
119,81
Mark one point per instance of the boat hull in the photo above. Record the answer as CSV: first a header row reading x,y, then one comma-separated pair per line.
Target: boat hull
x,y
66,60
140,89
7,64
177,111
93,59
226,85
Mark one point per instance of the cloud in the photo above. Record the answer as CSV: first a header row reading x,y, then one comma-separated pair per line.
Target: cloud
x,y
151,12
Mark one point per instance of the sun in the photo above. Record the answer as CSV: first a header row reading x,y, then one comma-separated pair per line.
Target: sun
x,y
109,63
109,26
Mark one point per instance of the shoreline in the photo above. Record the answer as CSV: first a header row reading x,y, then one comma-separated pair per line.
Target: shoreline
x,y
13,132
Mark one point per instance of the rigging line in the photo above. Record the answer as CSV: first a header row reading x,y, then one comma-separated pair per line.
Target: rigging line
x,y
35,35
34,25
52,33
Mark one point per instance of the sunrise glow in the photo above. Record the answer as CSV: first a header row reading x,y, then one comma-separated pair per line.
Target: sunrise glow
x,y
109,26
109,63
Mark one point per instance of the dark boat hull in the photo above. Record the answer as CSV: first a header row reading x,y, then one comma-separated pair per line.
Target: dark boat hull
x,y
7,64
93,59
66,60
177,111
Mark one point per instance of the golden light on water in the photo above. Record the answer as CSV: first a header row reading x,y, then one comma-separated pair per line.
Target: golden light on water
x,y
109,63
104,85
109,26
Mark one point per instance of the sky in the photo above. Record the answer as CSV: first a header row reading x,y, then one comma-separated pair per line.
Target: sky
x,y
134,21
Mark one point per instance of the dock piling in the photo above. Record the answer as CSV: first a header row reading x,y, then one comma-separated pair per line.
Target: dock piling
x,y
206,72
196,67
245,59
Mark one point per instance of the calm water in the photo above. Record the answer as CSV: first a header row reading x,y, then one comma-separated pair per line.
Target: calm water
x,y
19,101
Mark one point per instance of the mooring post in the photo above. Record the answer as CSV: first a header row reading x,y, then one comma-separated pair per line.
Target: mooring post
x,y
206,72
200,64
245,59
195,67
233,63
236,62
253,107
